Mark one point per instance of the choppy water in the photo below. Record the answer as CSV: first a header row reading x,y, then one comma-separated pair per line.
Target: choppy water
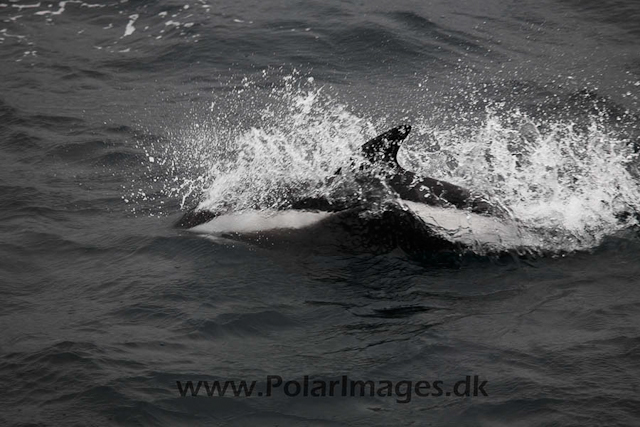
x,y
115,117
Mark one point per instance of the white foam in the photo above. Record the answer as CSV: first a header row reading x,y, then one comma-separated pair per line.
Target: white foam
x,y
254,221
62,6
130,28
4,33
25,6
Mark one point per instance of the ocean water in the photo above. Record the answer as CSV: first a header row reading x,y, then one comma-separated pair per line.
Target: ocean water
x,y
117,117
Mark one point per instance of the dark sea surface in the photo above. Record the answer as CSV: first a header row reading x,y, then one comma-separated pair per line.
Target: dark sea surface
x,y
117,117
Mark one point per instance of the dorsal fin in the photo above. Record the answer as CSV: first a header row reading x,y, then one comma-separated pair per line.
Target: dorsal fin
x,y
384,148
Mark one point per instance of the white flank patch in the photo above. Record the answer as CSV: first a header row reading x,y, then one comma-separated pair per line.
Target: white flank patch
x,y
254,221
472,229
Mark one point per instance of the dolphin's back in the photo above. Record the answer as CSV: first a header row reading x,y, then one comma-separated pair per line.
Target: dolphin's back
x,y
383,149
435,192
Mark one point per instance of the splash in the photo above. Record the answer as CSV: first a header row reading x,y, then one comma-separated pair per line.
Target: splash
x,y
572,185
569,185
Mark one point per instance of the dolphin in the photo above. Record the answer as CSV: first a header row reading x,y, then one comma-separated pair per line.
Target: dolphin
x,y
383,150
428,213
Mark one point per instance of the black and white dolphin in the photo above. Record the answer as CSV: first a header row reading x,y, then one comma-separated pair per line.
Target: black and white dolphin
x,y
424,214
